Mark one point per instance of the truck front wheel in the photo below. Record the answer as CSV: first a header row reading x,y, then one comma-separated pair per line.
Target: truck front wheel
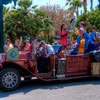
x,y
9,79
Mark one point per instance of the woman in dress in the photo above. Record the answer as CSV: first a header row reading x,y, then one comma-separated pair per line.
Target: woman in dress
x,y
63,36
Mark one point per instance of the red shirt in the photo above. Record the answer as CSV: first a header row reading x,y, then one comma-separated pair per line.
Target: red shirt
x,y
27,46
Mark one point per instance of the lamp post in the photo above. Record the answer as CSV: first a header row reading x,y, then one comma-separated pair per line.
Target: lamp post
x,y
1,22
99,4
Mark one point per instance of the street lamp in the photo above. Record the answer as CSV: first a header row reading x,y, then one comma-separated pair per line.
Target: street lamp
x,y
1,22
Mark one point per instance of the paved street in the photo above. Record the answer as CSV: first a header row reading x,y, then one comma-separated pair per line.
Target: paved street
x,y
81,89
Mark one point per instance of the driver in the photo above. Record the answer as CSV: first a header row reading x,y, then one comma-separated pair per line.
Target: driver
x,y
45,51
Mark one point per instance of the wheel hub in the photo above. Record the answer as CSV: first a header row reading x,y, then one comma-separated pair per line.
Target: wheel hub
x,y
9,79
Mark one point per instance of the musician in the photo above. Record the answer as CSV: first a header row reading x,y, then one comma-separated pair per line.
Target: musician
x,y
46,50
92,39
81,24
81,44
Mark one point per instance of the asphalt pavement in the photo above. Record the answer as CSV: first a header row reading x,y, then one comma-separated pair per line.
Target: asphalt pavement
x,y
81,89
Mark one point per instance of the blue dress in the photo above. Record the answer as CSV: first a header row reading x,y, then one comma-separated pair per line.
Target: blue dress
x,y
75,50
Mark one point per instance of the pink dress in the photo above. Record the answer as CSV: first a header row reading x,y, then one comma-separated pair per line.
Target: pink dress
x,y
63,39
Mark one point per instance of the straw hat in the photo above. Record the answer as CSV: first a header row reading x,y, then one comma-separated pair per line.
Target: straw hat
x,y
18,42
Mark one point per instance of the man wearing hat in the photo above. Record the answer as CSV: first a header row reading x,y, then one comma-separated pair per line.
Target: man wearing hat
x,y
46,50
35,43
92,39
83,36
35,47
81,24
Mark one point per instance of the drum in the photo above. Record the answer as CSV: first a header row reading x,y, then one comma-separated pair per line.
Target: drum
x,y
95,68
96,56
60,67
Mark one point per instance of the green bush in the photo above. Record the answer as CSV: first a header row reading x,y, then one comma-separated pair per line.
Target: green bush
x,y
90,18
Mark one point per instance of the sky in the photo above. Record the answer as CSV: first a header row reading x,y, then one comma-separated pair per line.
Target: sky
x,y
58,2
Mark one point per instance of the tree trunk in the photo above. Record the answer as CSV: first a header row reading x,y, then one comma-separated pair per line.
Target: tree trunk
x,y
91,4
85,5
77,12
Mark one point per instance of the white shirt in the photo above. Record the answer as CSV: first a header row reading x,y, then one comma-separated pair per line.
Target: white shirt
x,y
48,50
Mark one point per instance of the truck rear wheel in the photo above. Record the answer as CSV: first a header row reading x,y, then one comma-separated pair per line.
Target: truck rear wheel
x,y
9,79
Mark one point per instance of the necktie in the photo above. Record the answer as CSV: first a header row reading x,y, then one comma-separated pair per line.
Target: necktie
x,y
44,52
94,36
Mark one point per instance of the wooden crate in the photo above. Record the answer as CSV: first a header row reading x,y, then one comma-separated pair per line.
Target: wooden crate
x,y
95,68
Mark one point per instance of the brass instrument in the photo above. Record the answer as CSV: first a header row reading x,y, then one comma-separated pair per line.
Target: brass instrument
x,y
81,48
97,38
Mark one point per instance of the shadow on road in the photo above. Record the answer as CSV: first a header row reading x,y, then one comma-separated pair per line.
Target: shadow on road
x,y
28,86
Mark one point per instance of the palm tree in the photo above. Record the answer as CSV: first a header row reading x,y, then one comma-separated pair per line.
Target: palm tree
x,y
75,4
85,5
25,3
71,9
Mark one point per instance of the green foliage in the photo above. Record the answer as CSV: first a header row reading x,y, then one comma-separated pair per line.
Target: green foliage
x,y
90,19
76,3
25,3
5,10
25,22
73,35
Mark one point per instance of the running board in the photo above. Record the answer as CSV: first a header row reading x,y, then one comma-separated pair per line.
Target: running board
x,y
69,78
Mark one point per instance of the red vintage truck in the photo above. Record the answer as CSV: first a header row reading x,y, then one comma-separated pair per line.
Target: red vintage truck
x,y
70,67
